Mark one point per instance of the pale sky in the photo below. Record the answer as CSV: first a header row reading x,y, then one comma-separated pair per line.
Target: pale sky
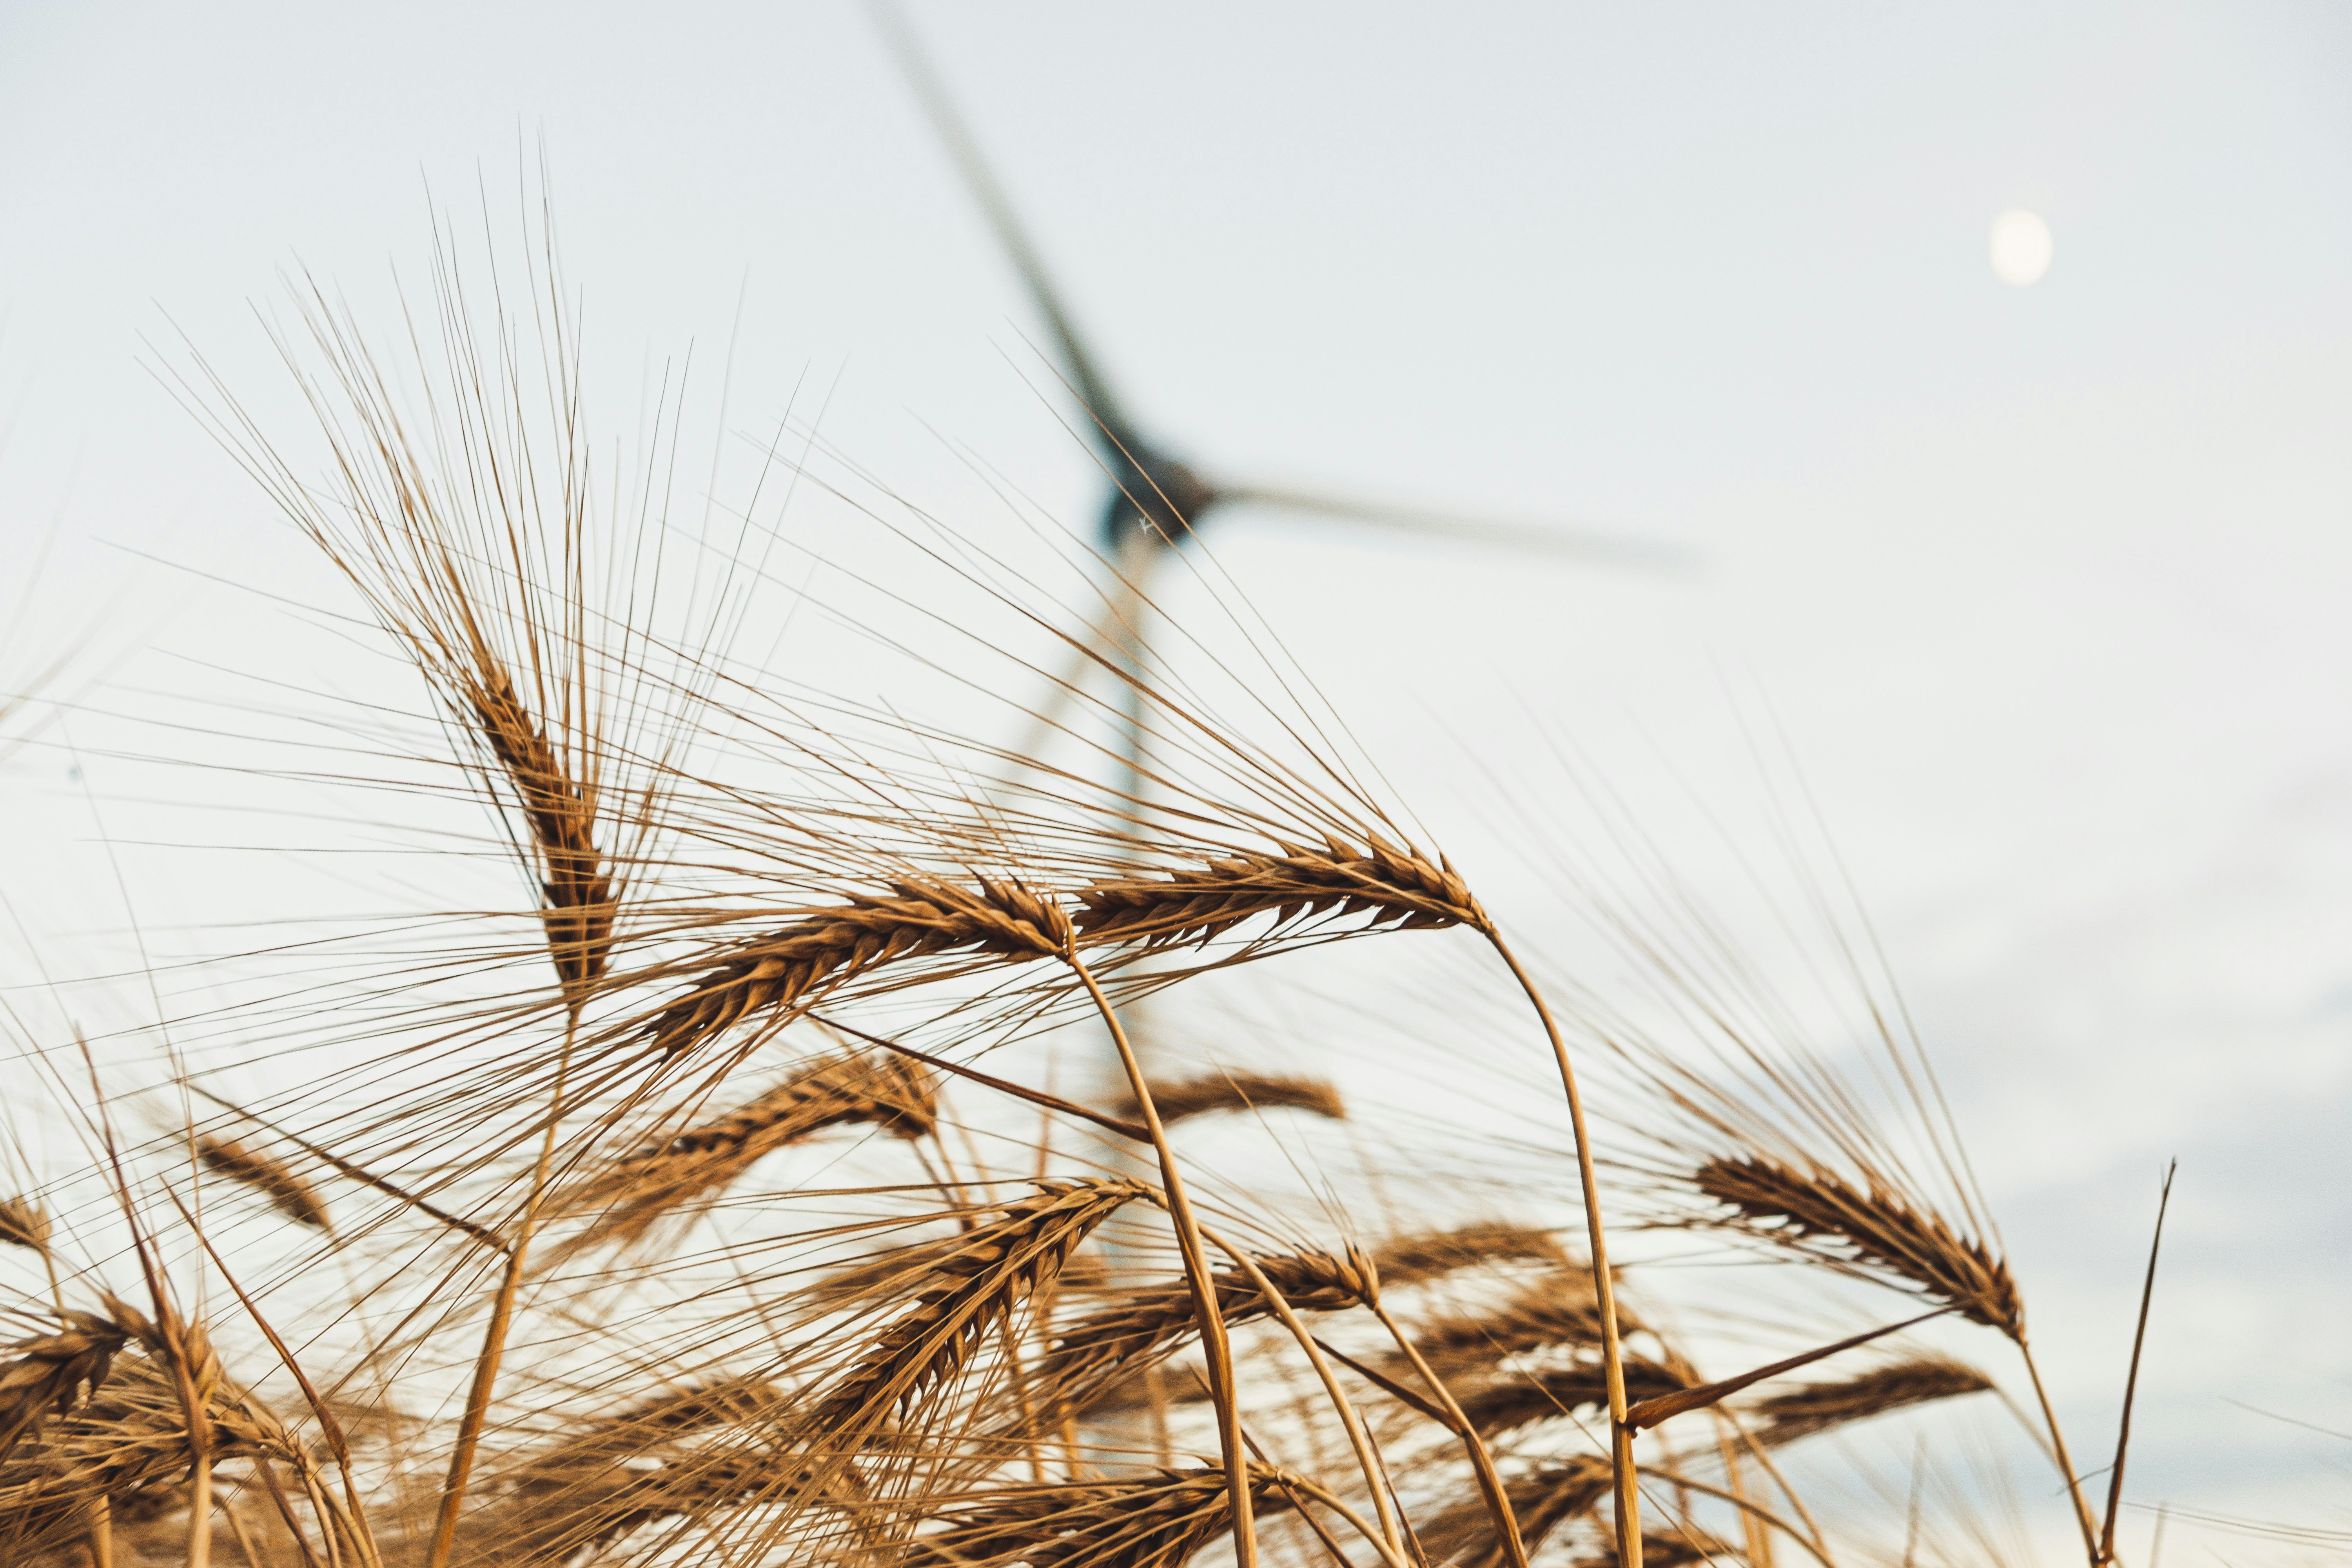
x,y
2047,584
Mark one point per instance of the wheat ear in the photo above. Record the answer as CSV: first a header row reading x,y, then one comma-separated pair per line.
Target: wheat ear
x,y
1559,1309
1148,1323
1422,1255
633,1194
1542,1499
1685,1545
1158,1520
1818,1406
1397,887
24,1223
578,904
50,1372
1825,1219
1238,1091
1521,1399
998,1266
287,1193
779,972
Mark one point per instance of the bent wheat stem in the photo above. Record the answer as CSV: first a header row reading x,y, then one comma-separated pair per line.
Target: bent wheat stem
x,y
1213,1339
1391,1542
2058,1452
1621,1444
1481,1463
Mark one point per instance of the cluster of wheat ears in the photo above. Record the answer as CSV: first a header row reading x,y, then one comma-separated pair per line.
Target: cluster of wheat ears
x,y
485,1269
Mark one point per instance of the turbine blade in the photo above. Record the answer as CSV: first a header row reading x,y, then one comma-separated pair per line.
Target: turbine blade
x,y
1431,522
1113,638
1085,375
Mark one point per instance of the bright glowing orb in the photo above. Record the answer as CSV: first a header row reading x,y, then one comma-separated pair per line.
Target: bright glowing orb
x,y
2020,248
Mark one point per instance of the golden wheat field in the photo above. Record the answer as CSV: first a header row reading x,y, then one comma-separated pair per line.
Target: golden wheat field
x,y
815,1156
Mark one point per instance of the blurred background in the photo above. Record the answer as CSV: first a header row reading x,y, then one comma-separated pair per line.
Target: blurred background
x,y
2042,574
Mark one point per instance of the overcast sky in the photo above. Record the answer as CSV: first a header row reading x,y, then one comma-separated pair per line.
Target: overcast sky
x,y
2047,584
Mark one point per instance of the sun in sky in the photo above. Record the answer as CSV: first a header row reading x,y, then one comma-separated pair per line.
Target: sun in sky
x,y
2021,248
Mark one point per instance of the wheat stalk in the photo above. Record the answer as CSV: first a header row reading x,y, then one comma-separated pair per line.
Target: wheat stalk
x,y
116,1386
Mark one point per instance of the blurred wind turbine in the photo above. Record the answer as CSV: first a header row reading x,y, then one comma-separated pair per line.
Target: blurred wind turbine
x,y
1157,500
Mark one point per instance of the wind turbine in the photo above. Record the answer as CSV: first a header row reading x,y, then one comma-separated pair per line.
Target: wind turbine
x,y
1156,499
1154,491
